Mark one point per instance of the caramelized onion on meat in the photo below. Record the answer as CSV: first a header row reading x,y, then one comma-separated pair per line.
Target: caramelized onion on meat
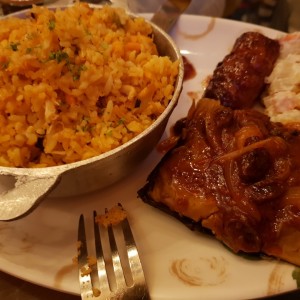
x,y
236,174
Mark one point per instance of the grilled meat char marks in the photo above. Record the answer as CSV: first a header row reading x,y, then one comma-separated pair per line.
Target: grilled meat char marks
x,y
208,179
238,80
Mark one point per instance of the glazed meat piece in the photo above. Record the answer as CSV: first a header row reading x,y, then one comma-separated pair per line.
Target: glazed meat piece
x,y
235,174
239,79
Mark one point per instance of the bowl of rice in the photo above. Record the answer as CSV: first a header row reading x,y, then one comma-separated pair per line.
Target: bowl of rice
x,y
85,95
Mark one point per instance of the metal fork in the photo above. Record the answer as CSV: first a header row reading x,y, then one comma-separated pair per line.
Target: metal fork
x,y
116,271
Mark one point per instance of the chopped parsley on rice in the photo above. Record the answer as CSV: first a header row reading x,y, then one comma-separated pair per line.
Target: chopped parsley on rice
x,y
77,82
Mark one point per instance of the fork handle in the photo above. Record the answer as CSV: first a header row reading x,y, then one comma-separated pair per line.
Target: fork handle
x,y
117,3
168,13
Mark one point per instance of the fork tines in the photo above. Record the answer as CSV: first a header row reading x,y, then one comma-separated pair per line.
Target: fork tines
x,y
115,272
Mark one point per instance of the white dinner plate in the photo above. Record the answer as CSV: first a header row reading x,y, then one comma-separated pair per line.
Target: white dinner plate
x,y
178,263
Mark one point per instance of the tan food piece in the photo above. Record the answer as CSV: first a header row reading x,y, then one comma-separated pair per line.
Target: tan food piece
x,y
112,217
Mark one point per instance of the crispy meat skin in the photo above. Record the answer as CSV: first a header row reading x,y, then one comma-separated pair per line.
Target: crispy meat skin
x,y
236,174
238,80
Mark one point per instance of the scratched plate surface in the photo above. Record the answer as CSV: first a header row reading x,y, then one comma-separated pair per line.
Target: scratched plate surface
x,y
178,263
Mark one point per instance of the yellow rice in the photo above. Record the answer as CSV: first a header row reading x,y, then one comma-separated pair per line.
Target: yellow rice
x,y
76,83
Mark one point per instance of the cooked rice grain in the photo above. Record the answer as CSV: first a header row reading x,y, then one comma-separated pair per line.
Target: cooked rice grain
x,y
76,83
282,98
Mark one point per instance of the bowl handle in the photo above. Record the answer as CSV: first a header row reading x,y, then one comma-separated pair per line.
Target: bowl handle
x,y
25,193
